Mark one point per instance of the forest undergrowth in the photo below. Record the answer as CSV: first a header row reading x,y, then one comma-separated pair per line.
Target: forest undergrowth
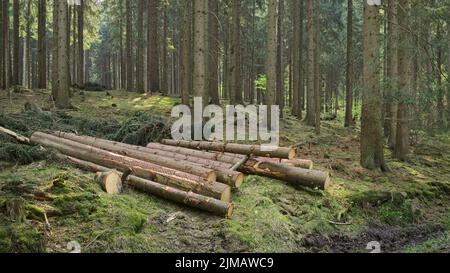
x,y
406,209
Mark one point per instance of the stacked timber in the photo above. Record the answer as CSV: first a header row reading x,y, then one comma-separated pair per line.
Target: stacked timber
x,y
194,173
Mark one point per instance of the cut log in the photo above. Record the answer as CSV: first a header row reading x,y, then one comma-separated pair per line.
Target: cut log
x,y
292,175
19,138
110,181
115,147
181,162
255,150
146,170
217,156
296,162
191,199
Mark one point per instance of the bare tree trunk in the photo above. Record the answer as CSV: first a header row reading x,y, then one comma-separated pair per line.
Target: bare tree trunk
x,y
16,44
280,58
80,64
165,66
186,72
349,73
42,47
129,45
140,48
271,55
62,98
200,56
214,51
153,56
372,155
317,73
235,69
310,106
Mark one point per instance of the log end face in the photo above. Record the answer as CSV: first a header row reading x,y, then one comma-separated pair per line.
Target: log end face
x,y
292,153
230,210
239,180
226,195
327,183
211,176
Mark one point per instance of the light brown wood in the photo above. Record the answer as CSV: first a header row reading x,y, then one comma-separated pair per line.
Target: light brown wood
x,y
14,135
110,181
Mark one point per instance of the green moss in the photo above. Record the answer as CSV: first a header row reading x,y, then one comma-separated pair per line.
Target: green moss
x,y
440,244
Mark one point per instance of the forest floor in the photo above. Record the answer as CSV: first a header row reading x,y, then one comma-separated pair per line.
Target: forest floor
x,y
406,209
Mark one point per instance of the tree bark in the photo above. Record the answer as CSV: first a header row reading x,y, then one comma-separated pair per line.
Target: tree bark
x,y
140,48
80,64
390,123
42,44
349,69
62,99
200,85
235,68
310,106
16,43
186,72
214,51
372,155
153,56
271,56
129,45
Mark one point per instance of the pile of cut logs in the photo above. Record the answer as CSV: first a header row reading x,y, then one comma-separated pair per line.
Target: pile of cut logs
x,y
195,173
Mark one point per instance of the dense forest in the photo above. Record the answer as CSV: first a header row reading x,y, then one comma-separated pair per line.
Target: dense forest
x,y
363,88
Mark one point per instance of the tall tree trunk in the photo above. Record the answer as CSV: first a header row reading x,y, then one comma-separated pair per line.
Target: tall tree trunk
x,y
165,66
42,47
140,47
27,48
16,44
390,123
62,99
123,67
214,51
80,64
2,48
280,58
129,45
440,91
317,73
372,155
448,62
271,56
235,69
200,55
153,56
186,71
310,106
349,71
401,149
297,22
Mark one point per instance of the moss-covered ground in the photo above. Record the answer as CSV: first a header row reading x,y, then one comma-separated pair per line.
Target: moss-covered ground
x,y
406,209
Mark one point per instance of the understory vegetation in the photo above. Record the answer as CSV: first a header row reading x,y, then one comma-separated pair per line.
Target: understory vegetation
x,y
406,209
